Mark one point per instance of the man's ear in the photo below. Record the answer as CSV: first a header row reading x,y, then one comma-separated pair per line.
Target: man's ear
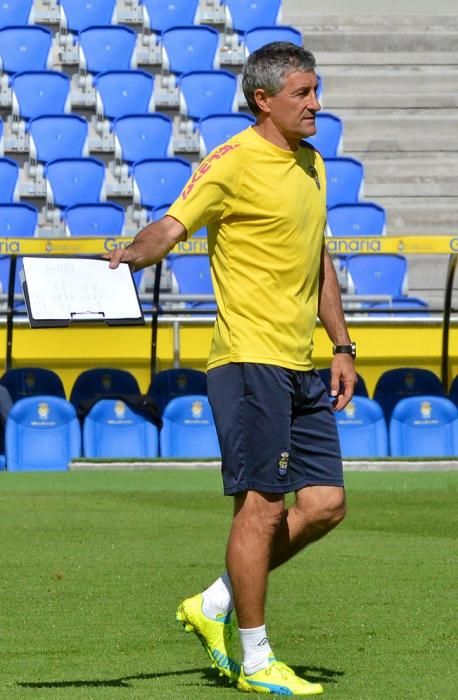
x,y
262,99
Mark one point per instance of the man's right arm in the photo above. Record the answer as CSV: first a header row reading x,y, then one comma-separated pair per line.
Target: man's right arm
x,y
150,245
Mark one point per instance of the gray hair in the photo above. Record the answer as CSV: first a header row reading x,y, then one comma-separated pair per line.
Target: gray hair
x,y
267,67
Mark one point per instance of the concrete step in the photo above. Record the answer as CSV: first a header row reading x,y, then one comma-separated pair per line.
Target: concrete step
x,y
399,130
336,101
347,42
420,215
407,176
368,57
367,22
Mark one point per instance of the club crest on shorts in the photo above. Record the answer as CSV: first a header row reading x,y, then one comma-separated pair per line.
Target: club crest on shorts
x,y
282,468
314,173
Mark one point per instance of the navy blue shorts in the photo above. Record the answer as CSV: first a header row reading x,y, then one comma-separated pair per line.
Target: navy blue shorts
x,y
276,428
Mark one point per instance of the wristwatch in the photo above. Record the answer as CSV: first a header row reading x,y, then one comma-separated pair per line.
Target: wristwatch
x,y
346,349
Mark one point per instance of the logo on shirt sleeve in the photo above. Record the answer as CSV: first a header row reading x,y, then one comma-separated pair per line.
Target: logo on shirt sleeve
x,y
206,166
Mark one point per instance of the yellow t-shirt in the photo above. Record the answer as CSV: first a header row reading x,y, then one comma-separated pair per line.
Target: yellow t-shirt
x,y
265,209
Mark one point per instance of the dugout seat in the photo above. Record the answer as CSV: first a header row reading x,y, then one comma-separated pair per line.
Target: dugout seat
x,y
362,429
18,220
113,429
99,219
157,181
360,386
242,16
402,382
191,275
328,139
218,128
453,392
172,383
377,274
16,13
345,179
42,434
189,429
22,382
102,382
259,36
424,426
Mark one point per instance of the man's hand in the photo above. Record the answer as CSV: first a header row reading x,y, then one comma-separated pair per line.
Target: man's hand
x,y
150,245
343,380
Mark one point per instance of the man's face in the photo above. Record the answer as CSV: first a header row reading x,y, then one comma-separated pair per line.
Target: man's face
x,y
293,109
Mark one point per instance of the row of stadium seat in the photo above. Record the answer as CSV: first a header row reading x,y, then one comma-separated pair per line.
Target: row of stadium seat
x,y
101,47
392,386
155,15
43,432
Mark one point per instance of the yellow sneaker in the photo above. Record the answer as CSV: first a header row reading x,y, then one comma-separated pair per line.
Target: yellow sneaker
x,y
216,636
277,679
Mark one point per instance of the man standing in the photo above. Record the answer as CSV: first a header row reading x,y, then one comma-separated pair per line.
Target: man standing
x,y
262,196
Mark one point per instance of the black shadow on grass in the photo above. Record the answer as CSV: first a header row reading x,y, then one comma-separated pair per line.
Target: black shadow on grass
x,y
318,674
108,682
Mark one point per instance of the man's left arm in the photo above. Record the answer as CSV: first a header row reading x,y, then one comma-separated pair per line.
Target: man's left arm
x,y
332,317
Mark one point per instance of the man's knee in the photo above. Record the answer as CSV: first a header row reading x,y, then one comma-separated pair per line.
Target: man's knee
x,y
261,511
322,506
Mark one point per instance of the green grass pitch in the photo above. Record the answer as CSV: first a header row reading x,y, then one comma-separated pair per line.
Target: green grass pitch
x,y
93,565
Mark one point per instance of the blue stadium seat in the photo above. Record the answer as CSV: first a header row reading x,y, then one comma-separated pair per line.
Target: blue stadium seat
x,y
22,382
377,274
16,13
188,49
124,92
158,181
242,16
359,219
9,180
259,36
189,429
140,136
72,181
360,386
113,429
207,92
362,429
218,128
328,139
42,434
345,178
424,426
57,136
160,15
169,384
102,382
75,15
34,92
107,48
25,48
18,220
100,219
396,384
192,276
409,307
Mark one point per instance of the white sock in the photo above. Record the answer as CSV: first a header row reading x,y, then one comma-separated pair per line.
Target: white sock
x,y
218,598
256,649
